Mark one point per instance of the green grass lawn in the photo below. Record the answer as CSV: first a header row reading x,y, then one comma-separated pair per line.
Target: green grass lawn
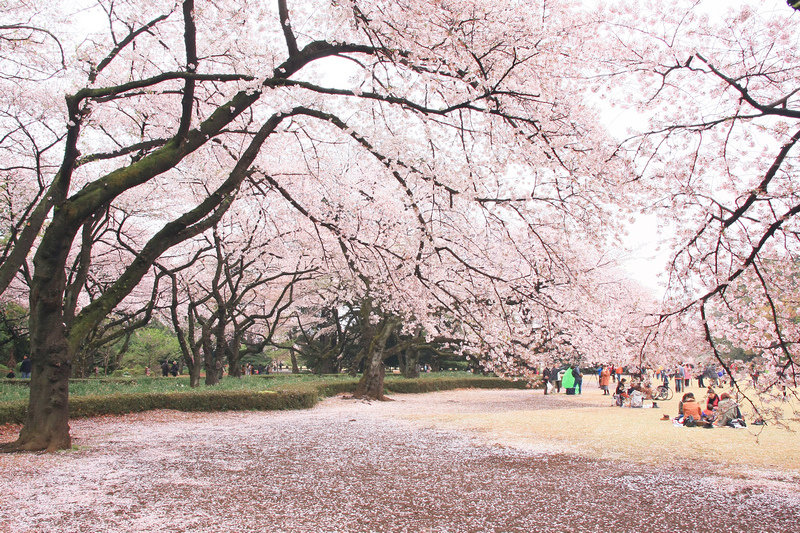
x,y
17,390
12,391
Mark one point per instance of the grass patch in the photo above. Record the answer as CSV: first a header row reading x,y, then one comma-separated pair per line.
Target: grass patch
x,y
590,426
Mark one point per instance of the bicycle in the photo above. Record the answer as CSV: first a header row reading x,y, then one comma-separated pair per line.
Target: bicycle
x,y
662,393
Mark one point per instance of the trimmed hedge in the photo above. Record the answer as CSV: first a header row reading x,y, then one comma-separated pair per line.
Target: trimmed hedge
x,y
13,412
412,386
299,396
204,400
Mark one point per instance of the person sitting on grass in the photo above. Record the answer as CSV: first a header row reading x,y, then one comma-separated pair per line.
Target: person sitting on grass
x,y
713,400
728,413
636,395
647,390
683,400
621,393
709,413
688,407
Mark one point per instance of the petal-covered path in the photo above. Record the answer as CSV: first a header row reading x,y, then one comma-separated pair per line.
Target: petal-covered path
x,y
351,466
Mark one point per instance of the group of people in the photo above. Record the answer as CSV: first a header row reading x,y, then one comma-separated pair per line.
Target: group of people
x,y
24,369
167,369
250,370
633,394
681,375
707,375
569,377
720,411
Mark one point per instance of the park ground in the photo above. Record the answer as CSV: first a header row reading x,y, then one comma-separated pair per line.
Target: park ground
x,y
459,461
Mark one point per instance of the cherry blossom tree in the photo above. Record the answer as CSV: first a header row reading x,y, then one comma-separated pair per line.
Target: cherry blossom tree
x,y
450,171
717,160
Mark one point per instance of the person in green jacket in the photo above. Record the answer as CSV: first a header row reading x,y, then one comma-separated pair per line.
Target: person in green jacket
x,y
568,381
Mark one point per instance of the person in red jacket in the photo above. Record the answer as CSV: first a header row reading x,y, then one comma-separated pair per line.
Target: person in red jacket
x,y
689,407
605,380
713,399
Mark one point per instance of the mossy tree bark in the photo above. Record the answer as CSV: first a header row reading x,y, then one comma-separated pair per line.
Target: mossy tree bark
x,y
409,363
374,339
46,422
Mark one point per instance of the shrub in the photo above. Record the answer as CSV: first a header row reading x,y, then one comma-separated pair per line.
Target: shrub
x,y
410,386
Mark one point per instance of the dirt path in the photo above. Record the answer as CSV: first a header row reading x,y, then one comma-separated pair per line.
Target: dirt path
x,y
422,463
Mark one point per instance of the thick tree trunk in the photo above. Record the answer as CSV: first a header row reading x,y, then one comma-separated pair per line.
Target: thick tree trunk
x,y
212,378
295,367
327,366
194,374
371,383
234,356
212,373
409,364
47,420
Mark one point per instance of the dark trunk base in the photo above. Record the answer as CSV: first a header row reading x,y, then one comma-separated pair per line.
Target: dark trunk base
x,y
47,421
212,378
371,384
194,377
39,441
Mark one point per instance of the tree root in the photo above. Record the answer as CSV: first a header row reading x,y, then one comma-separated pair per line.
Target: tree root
x,y
35,445
367,398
